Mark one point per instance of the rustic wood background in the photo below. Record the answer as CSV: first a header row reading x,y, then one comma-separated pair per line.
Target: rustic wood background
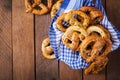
x,y
21,35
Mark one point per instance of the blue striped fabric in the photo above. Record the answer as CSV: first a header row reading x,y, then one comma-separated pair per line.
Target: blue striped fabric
x,y
72,58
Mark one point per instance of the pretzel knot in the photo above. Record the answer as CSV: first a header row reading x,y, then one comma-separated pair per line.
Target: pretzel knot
x,y
94,46
47,50
73,37
95,14
77,17
99,29
37,7
97,66
55,8
59,22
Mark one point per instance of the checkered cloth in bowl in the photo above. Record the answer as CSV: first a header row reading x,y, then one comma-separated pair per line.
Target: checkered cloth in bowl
x,y
73,58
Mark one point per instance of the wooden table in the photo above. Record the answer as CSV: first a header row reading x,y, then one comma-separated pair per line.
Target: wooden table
x,y
21,35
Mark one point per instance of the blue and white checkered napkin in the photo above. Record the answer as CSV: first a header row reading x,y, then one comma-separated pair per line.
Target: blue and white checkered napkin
x,y
71,58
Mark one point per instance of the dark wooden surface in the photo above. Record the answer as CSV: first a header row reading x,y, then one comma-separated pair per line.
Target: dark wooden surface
x,y
45,69
5,40
23,42
113,68
21,35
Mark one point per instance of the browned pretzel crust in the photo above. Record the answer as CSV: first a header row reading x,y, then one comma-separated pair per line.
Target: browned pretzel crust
x,y
95,14
82,19
73,37
47,50
55,8
37,7
44,9
97,66
59,24
94,46
104,33
86,48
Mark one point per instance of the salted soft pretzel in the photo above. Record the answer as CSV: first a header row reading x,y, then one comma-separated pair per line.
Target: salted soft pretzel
x,y
86,47
104,33
55,8
102,47
44,9
94,46
47,49
37,7
99,63
73,37
81,18
95,14
59,23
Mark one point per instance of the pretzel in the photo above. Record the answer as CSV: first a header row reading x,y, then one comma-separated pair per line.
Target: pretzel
x,y
37,7
49,3
82,19
47,50
100,30
94,46
86,47
55,8
28,6
95,14
73,37
43,10
97,66
59,21
102,47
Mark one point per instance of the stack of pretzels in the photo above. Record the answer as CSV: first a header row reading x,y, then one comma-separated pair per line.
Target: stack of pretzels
x,y
84,33
39,8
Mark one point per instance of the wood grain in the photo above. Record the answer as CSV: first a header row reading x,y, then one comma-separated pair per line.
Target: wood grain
x,y
67,73
21,35
113,71
5,40
45,69
113,12
23,42
100,76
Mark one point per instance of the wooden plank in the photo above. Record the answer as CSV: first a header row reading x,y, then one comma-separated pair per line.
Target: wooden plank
x,y
5,40
113,69
66,73
23,42
101,75
45,69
